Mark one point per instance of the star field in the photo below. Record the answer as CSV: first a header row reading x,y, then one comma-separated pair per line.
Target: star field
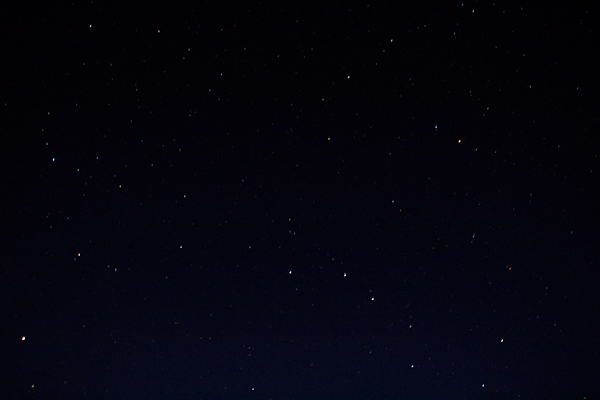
x,y
299,201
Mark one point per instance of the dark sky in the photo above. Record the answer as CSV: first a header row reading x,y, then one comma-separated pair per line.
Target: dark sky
x,y
299,201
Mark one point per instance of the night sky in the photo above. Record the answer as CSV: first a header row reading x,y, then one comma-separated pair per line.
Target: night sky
x,y
299,201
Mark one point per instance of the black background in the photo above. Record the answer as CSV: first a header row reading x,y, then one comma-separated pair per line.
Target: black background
x,y
299,201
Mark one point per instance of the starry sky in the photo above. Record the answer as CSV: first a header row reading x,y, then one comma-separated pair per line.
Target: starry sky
x,y
299,201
